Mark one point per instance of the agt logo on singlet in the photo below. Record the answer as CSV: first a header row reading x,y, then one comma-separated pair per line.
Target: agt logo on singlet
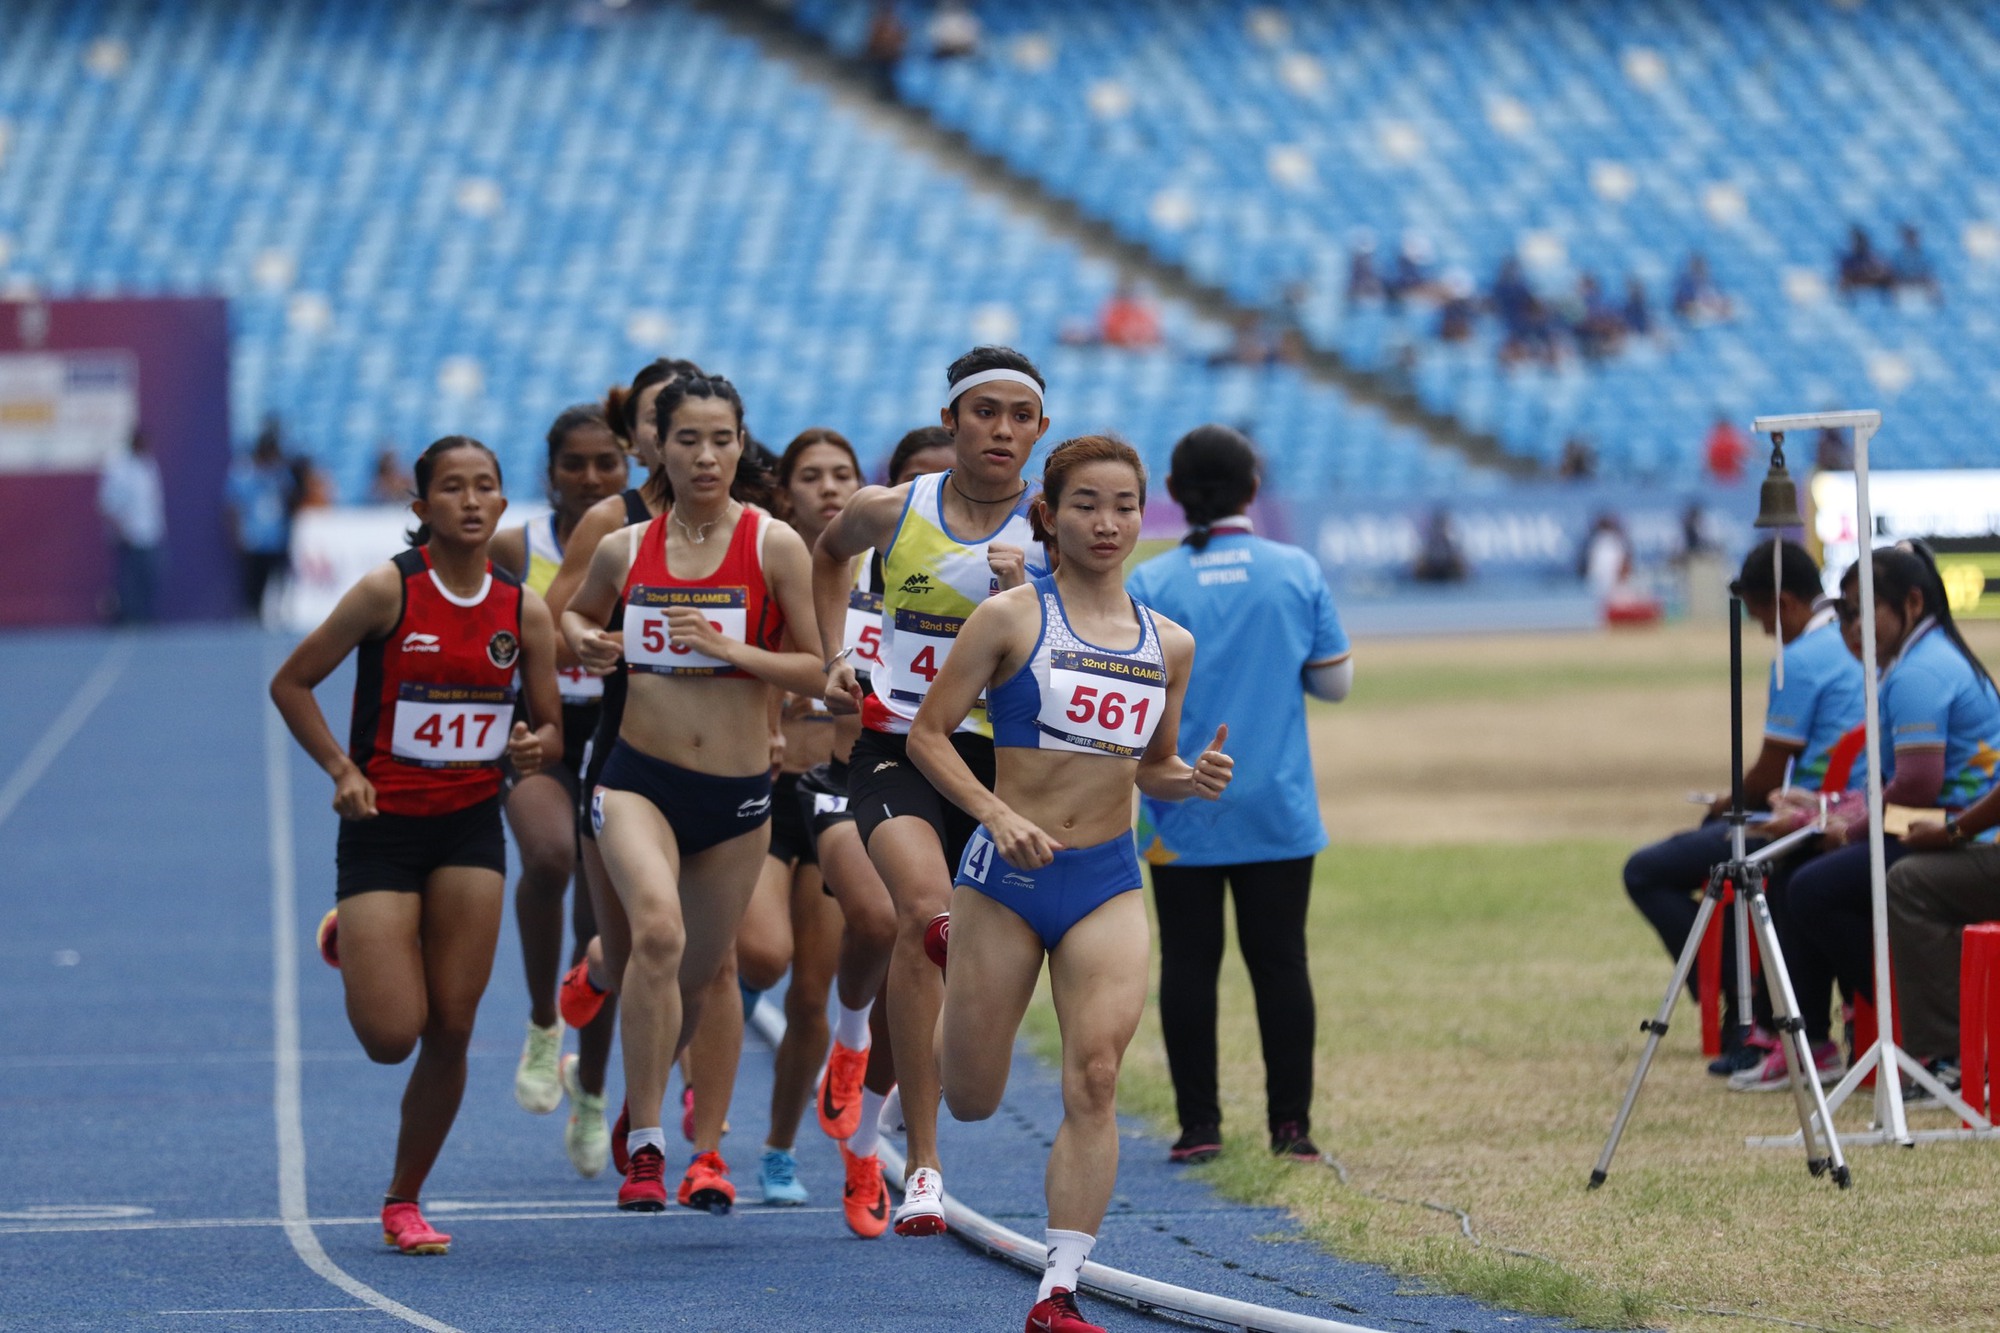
x,y
918,582
422,643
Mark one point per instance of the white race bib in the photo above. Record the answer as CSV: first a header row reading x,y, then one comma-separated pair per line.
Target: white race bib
x,y
864,629
451,726
578,686
921,643
649,640
1102,703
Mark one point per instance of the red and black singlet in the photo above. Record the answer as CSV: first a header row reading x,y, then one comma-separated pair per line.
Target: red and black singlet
x,y
434,700
735,599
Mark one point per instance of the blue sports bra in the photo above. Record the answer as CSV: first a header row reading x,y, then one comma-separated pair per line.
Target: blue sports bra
x,y
1073,695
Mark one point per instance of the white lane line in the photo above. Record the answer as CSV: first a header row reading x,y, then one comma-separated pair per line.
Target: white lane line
x,y
285,1014
602,1213
67,724
283,1309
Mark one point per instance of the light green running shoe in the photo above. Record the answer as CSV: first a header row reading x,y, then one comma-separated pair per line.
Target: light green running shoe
x,y
584,1137
537,1085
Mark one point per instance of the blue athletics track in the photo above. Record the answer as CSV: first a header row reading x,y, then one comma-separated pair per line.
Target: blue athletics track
x,y
190,1138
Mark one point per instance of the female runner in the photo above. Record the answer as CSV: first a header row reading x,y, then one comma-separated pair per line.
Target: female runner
x,y
586,464
421,858
947,543
714,591
1940,715
1052,872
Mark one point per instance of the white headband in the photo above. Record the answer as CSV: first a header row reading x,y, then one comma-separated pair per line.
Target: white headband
x,y
951,395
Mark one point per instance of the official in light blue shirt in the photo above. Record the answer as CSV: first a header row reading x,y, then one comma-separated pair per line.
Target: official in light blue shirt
x,y
1266,633
1819,702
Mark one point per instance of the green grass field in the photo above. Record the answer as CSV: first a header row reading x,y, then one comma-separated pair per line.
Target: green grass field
x,y
1479,1009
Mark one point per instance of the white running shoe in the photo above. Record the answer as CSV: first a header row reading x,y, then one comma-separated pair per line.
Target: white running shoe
x,y
537,1081
890,1121
584,1137
922,1211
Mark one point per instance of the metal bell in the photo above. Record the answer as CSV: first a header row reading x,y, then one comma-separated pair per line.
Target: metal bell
x,y
1778,502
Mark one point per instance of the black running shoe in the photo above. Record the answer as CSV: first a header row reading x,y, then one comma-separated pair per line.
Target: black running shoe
x,y
1201,1144
1290,1141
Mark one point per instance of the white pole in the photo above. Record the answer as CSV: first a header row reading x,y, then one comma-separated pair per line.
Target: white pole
x,y
1888,1076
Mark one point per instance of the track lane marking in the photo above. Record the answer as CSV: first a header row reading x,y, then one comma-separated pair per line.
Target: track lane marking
x,y
288,1095
68,722
604,1213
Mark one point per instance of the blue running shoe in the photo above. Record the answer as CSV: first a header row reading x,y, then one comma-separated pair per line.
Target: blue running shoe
x,y
779,1179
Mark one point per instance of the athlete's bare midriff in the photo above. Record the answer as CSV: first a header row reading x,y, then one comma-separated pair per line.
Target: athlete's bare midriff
x,y
717,725
1079,800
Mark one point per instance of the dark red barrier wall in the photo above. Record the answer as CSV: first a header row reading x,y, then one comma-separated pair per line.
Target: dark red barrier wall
x,y
52,542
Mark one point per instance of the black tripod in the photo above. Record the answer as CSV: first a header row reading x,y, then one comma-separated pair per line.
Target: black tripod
x,y
1744,873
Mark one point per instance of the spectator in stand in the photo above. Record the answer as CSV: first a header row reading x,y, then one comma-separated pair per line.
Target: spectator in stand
x,y
1526,331
1830,451
1460,309
1363,282
954,32
1578,462
1861,269
1697,299
132,499
1726,452
1128,320
1912,267
1599,328
262,495
1250,344
1638,311
1410,276
1440,559
392,483
887,40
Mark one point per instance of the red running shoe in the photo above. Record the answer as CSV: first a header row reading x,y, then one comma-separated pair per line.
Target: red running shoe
x,y
579,999
621,1159
329,938
1058,1314
706,1184
404,1227
840,1092
866,1198
936,935
645,1187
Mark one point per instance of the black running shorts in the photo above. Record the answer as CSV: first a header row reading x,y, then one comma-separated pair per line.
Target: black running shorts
x,y
399,852
882,784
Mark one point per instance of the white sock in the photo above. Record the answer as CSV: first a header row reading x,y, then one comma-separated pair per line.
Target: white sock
x,y
1067,1251
850,1026
863,1142
654,1138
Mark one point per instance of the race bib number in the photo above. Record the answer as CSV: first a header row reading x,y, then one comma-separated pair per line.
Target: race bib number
x,y
922,641
864,629
978,862
579,686
829,803
649,644
1102,704
451,726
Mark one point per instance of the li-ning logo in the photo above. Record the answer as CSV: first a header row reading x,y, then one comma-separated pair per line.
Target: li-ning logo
x,y
916,583
1018,881
422,643
752,808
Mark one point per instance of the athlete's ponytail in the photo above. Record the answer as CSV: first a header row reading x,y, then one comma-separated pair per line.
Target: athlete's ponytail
x,y
1213,475
1910,565
621,403
426,468
1064,459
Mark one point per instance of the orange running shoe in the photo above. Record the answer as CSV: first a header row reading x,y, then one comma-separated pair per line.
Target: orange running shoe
x,y
706,1184
403,1226
579,999
866,1198
840,1091
645,1187
329,938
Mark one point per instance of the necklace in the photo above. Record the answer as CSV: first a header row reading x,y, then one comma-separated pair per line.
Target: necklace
x,y
697,538
1005,499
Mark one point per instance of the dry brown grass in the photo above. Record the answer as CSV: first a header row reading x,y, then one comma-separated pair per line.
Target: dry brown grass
x,y
1481,979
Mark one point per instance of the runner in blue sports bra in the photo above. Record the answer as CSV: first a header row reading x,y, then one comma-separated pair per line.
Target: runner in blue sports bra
x,y
1084,690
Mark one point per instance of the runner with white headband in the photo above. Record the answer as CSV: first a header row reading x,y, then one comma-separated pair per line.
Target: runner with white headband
x,y
936,571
